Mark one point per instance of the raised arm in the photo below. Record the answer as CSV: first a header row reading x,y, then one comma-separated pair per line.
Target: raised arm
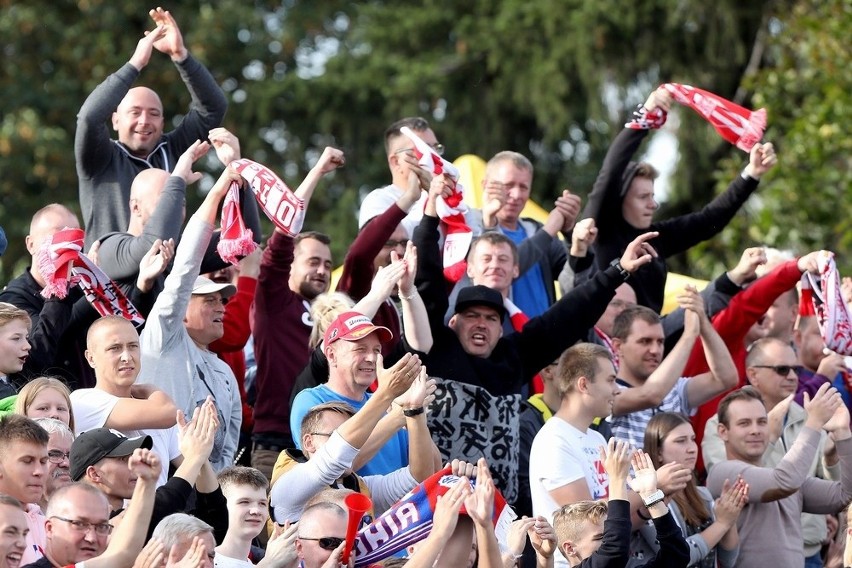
x,y
682,233
227,147
120,255
480,508
129,537
723,530
723,374
430,274
569,320
821,496
664,377
393,382
772,484
166,318
421,448
209,104
195,438
673,548
92,138
330,160
236,321
415,318
358,264
604,202
394,420
443,525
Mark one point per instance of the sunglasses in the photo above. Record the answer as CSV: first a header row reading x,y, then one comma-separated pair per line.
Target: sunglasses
x,y
326,542
782,370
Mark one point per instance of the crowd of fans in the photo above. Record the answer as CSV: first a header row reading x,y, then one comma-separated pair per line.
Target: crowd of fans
x,y
232,426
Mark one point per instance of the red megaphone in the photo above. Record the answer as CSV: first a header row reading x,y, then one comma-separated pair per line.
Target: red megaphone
x,y
358,504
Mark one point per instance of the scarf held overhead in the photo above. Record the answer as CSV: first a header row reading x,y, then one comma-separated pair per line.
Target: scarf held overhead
x,y
235,240
736,124
822,294
281,205
451,210
62,264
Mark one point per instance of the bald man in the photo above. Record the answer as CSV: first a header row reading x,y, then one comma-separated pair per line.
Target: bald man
x,y
157,209
106,167
58,326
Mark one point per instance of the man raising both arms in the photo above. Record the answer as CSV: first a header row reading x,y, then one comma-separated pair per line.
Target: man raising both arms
x,y
106,167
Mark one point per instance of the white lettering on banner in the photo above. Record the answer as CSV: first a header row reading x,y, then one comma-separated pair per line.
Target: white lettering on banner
x,y
381,531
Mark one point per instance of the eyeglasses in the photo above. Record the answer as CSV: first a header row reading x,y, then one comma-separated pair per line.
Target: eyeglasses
x,y
56,456
101,529
782,370
326,542
319,434
438,148
392,244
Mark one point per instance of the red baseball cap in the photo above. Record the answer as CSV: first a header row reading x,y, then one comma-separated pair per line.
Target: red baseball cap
x,y
352,326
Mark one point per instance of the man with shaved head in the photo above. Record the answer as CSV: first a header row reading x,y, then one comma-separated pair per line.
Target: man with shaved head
x,y
157,210
106,167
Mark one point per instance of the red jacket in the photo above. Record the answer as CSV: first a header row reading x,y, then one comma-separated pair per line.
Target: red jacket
x,y
733,323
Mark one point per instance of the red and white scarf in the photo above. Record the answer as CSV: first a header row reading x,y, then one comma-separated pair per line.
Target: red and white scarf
x,y
451,210
736,124
235,239
822,293
62,264
280,204
607,342
518,320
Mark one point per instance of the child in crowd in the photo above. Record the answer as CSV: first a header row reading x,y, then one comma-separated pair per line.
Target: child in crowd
x,y
594,534
245,490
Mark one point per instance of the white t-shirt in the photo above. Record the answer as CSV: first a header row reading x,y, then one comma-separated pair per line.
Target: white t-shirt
x,y
380,200
220,561
92,407
562,454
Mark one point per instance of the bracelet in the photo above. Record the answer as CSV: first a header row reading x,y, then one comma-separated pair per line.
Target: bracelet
x,y
641,516
410,296
412,412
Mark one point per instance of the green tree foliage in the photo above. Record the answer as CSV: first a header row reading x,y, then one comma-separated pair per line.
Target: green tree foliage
x,y
806,86
552,79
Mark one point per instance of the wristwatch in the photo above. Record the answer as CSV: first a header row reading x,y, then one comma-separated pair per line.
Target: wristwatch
x,y
617,265
654,498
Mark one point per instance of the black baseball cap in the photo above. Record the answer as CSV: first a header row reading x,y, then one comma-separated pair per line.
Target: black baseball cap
x,y
91,447
480,296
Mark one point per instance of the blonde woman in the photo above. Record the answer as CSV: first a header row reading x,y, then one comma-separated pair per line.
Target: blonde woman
x,y
324,309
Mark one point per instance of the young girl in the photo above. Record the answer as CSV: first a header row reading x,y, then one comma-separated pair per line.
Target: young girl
x,y
46,397
710,528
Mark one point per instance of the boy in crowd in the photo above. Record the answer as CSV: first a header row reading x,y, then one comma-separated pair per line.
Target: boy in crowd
x,y
594,534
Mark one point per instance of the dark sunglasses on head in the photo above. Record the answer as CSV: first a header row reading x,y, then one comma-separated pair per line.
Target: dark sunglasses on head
x,y
326,542
782,370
